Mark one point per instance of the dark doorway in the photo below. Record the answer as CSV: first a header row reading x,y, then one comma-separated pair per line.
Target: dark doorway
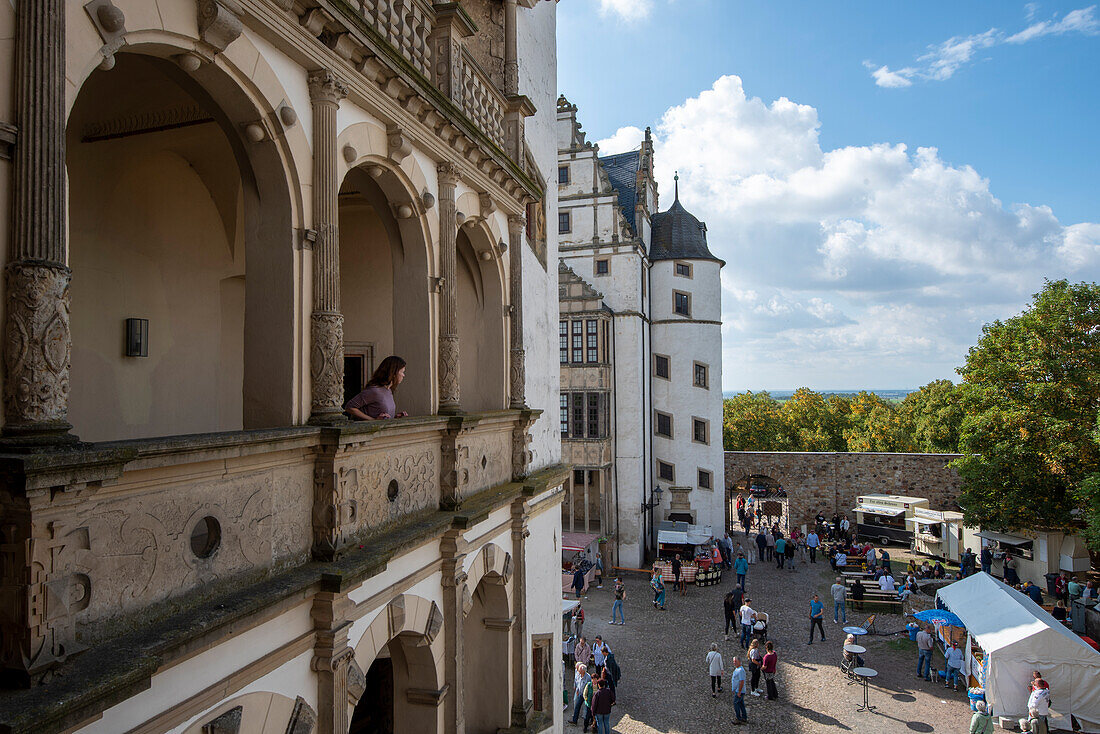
x,y
374,712
353,375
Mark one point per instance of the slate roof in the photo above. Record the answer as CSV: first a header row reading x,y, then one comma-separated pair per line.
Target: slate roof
x,y
622,170
677,235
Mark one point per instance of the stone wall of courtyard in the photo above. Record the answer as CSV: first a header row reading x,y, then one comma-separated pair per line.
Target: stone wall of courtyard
x,y
830,482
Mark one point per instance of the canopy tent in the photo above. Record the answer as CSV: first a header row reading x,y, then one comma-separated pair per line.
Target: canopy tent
x,y
1018,636
939,615
682,533
880,510
576,542
1004,539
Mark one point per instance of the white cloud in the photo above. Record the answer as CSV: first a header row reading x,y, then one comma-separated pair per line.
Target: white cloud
x,y
942,60
624,139
628,10
861,266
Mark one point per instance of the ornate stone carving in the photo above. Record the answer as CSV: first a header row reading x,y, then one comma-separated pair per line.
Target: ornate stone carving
x,y
517,370
111,24
326,363
325,86
397,144
449,396
37,345
219,23
483,460
521,440
357,682
302,719
183,114
363,484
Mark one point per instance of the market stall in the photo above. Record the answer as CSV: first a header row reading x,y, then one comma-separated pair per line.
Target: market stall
x,y
694,543
1009,636
577,550
937,533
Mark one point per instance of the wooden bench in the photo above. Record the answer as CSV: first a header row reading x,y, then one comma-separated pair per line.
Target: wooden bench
x,y
884,601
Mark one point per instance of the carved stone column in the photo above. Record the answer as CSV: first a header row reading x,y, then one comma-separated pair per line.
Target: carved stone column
x,y
332,661
517,382
453,550
448,307
521,705
37,340
511,56
326,322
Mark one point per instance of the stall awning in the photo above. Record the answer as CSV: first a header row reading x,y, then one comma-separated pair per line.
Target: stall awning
x,y
576,542
568,605
880,510
1002,538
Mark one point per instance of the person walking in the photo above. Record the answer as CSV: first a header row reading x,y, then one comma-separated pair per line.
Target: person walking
x,y
677,569
581,679
769,665
617,605
756,662
599,571
954,666
578,581
716,670
981,722
789,550
578,621
601,706
966,563
589,695
986,559
599,655
770,540
748,617
611,668
816,613
582,651
840,594
812,543
780,551
729,608
658,585
738,685
761,545
741,568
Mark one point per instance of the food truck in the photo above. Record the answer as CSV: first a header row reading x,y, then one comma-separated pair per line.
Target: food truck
x,y
885,518
938,533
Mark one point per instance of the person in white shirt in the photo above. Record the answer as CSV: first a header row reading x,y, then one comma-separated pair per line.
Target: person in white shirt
x,y
871,558
812,542
841,559
748,616
886,583
954,665
714,667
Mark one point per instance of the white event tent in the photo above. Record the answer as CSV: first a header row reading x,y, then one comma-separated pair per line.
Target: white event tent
x,y
1019,636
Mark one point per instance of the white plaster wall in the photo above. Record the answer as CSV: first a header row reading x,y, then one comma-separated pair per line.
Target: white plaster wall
x,y
544,594
704,286
180,682
537,48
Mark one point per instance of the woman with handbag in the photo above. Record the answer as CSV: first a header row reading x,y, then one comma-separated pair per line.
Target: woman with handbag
x,y
770,662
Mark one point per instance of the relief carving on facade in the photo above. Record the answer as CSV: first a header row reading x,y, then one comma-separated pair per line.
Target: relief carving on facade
x,y
365,483
37,344
219,23
326,363
521,442
483,461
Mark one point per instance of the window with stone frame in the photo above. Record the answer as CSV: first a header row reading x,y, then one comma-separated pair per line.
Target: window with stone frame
x,y
563,342
603,266
683,270
700,430
565,222
663,424
666,472
681,303
563,174
701,375
661,366
592,341
578,342
542,670
563,414
585,414
706,479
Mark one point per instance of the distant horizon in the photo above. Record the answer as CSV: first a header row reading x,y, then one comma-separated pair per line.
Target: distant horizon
x,y
726,393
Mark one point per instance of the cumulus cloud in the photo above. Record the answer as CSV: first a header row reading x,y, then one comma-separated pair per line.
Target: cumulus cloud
x,y
942,60
624,139
872,257
628,10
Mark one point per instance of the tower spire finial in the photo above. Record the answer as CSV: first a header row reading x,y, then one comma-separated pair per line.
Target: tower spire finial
x,y
676,178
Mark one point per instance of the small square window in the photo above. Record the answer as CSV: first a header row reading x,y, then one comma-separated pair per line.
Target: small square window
x,y
563,174
603,266
666,471
700,431
578,477
681,303
683,270
664,424
701,377
661,366
705,479
565,223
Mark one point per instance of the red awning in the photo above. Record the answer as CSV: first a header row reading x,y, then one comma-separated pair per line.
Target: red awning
x,y
576,541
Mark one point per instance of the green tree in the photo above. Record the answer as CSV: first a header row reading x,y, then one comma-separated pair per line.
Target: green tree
x,y
752,422
813,423
932,416
875,425
1031,397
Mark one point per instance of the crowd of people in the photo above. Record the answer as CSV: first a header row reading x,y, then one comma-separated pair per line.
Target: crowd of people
x,y
596,675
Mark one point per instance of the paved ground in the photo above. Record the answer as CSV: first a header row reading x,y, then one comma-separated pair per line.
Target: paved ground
x,y
665,687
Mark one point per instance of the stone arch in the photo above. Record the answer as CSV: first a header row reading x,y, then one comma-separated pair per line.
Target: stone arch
x,y
487,626
386,271
258,712
482,321
492,561
398,663
209,145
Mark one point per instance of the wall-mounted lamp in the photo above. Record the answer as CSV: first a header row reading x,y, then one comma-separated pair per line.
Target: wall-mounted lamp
x,y
137,337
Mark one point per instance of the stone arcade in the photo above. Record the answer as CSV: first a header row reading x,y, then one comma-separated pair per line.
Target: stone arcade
x,y
270,196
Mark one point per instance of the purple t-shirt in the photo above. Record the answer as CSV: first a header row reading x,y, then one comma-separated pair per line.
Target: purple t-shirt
x,y
374,401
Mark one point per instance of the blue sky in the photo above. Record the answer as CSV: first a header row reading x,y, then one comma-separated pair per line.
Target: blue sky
x,y
882,178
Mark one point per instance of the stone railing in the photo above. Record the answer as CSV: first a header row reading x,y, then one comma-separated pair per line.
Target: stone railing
x,y
405,24
481,100
113,533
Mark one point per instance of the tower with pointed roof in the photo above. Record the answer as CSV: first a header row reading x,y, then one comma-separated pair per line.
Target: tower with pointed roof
x,y
653,284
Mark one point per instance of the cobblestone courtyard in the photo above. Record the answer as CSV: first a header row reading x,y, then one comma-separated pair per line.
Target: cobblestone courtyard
x,y
665,687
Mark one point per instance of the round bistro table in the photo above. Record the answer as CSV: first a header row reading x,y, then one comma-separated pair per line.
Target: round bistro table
x,y
865,674
855,649
857,631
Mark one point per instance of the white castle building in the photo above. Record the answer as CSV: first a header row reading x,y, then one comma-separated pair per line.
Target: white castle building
x,y
640,350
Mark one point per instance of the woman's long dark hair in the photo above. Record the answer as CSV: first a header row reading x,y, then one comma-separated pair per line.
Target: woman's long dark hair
x,y
386,373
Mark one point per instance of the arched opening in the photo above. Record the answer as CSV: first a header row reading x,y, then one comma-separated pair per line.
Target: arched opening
x,y
401,684
488,657
761,498
481,325
178,220
383,287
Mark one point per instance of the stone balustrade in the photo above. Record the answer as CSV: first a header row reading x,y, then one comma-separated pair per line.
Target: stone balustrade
x,y
480,100
405,24
106,535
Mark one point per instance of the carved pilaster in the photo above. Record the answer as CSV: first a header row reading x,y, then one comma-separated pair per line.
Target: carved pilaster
x,y
37,341
518,372
326,323
453,551
332,660
511,57
521,705
449,401
452,26
521,441
453,478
